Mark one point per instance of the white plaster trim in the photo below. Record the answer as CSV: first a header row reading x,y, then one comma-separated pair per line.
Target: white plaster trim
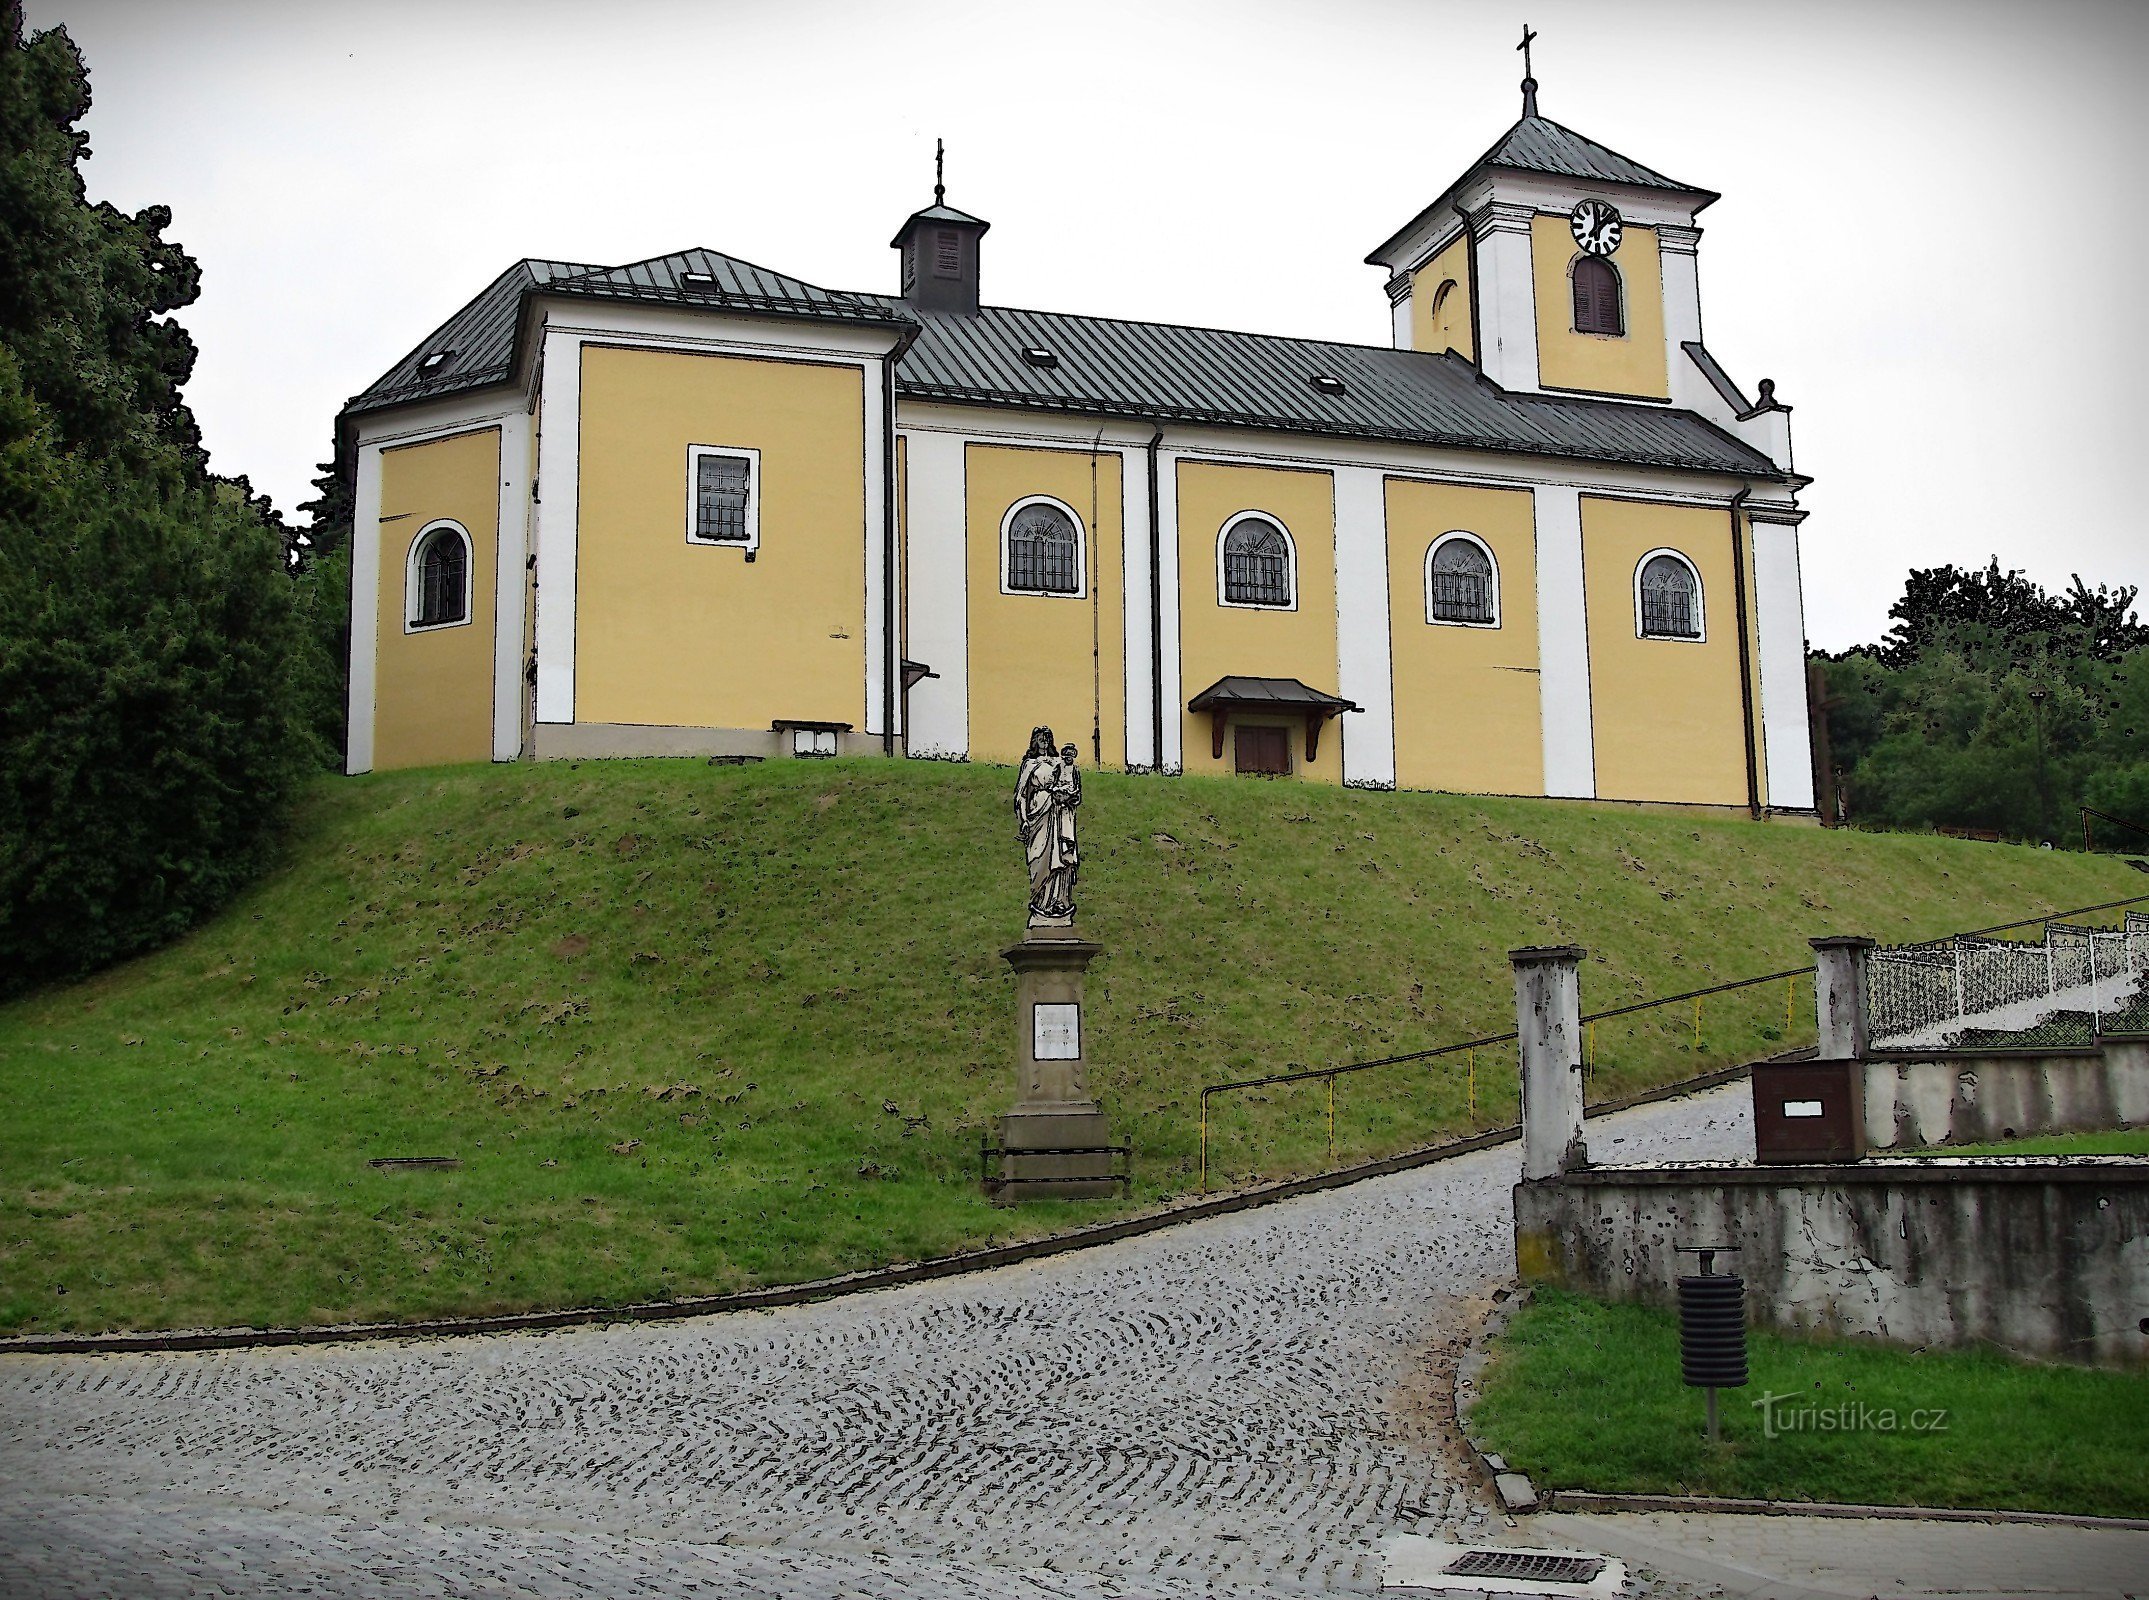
x,y
1174,597
1700,634
935,527
1134,594
559,489
365,608
1779,616
1436,226
731,333
1485,549
411,585
1506,297
1364,662
1290,555
874,540
1401,321
439,420
512,548
1563,646
752,457
1082,538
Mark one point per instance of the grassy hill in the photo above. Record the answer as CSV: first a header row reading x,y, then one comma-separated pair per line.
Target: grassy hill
x,y
694,1028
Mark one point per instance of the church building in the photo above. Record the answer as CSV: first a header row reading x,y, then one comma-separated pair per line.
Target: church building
x,y
1543,544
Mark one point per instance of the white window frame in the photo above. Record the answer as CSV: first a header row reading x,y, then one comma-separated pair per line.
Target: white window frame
x,y
1007,523
1701,616
752,457
1433,549
414,583
1290,545
1619,284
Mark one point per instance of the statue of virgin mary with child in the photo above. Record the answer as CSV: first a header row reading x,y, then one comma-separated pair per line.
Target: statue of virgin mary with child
x,y
1047,791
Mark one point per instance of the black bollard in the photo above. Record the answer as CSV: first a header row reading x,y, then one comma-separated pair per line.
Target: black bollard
x,y
1712,1328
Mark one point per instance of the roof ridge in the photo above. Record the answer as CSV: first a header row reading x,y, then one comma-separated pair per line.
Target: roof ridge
x,y
1193,327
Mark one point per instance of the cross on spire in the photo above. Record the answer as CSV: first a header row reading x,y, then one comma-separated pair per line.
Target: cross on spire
x,y
940,171
1529,78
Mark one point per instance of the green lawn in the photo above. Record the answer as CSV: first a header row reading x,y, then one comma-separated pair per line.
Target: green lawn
x,y
2109,1142
691,1029
1582,1395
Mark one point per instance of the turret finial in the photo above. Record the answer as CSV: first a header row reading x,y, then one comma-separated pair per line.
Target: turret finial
x,y
940,172
1529,78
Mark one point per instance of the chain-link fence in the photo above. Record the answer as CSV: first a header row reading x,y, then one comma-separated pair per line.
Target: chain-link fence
x,y
2068,984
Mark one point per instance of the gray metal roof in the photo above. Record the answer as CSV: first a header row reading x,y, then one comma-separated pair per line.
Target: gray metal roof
x,y
1538,144
1147,371
481,338
937,213
1166,372
1283,693
482,334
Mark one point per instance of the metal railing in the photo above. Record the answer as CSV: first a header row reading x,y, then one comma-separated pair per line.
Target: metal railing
x,y
1468,1048
1974,977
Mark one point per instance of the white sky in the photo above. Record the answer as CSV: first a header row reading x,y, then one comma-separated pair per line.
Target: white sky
x,y
1931,234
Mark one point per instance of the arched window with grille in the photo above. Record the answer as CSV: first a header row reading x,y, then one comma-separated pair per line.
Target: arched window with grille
x,y
1255,563
1462,582
439,577
1041,549
1597,306
1667,597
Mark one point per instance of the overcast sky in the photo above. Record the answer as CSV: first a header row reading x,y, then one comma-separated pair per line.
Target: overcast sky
x,y
1931,234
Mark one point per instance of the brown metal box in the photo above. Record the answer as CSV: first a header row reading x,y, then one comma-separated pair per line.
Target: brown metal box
x,y
1809,1111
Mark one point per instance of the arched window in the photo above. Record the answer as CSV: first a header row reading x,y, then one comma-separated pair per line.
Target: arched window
x,y
1462,583
1596,297
1041,546
1254,563
1667,597
439,577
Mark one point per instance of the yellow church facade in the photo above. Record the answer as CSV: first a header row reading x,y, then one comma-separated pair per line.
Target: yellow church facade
x,y
1541,544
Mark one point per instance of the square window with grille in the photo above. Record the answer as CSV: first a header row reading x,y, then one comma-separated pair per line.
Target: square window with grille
x,y
723,497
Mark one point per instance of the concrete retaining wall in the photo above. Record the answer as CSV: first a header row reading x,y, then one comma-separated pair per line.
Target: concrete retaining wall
x,y
1913,1101
2047,1258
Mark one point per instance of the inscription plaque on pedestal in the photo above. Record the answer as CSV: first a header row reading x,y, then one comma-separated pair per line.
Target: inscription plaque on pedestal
x,y
1056,1031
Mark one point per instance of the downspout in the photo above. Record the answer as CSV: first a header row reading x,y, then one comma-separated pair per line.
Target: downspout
x,y
1746,672
1156,611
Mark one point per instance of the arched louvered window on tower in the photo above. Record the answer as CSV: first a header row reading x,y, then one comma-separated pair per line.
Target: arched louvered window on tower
x,y
1254,563
439,577
1596,297
1667,597
1461,582
1042,549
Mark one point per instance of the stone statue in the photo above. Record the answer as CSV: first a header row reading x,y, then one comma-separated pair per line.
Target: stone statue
x,y
1047,791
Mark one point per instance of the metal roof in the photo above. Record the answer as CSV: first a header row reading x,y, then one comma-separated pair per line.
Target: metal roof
x,y
480,337
1166,372
1102,366
1283,693
482,334
937,213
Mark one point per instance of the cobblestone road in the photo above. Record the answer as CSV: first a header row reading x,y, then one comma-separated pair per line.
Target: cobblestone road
x,y
1239,1407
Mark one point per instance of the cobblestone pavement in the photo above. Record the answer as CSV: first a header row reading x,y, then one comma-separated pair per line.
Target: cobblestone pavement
x,y
1236,1407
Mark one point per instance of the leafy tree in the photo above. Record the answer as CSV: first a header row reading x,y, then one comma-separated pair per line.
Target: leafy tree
x,y
156,674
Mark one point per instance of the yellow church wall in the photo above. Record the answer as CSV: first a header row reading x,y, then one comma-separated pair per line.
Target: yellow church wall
x,y
1216,640
1665,713
1442,321
675,634
1631,363
1467,715
1058,660
433,687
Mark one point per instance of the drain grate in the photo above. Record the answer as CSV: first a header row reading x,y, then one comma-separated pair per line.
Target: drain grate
x,y
1526,1565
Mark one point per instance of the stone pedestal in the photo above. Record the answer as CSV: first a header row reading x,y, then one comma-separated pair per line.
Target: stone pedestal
x,y
1053,1140
1548,1024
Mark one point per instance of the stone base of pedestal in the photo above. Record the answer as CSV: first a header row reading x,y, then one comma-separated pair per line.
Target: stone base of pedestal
x,y
1057,1152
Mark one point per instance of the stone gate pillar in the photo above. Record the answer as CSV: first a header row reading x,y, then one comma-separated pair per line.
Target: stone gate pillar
x,y
1839,996
1548,1023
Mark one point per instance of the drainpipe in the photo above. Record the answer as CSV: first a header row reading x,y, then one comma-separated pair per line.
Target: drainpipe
x,y
1477,342
1746,671
1156,610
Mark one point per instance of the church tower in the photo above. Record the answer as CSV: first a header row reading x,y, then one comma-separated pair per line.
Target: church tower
x,y
1561,267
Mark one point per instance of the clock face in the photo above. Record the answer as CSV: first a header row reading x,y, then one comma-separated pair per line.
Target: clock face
x,y
1596,227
